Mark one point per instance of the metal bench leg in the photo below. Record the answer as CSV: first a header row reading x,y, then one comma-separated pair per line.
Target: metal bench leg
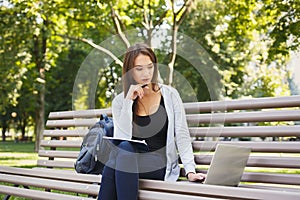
x,y
7,197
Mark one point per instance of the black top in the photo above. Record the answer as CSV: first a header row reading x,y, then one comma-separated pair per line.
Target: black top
x,y
152,128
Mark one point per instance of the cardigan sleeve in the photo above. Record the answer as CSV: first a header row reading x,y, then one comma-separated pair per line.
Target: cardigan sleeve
x,y
122,115
182,135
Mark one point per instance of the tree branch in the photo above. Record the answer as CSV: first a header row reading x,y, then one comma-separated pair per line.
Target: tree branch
x,y
161,18
98,47
117,23
186,8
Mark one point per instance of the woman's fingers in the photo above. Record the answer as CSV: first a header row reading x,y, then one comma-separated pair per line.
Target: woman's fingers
x,y
136,91
197,177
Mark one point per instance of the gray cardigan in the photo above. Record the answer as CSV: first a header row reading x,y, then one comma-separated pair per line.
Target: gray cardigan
x,y
178,137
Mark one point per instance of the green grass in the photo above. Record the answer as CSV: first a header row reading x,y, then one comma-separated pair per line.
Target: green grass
x,y
18,154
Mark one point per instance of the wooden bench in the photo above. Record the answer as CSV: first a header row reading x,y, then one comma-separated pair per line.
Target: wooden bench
x,y
264,124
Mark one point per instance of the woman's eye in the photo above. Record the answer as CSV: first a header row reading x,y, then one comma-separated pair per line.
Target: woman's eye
x,y
139,68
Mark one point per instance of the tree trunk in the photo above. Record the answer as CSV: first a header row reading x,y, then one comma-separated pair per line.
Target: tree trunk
x,y
3,133
23,127
40,52
39,127
173,53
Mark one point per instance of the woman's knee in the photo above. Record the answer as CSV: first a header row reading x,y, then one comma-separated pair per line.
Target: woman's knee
x,y
126,146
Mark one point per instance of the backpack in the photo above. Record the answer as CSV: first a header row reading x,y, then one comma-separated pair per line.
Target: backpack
x,y
94,152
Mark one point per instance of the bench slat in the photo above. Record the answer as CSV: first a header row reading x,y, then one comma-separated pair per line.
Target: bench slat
x,y
76,187
246,131
56,163
92,113
66,123
264,177
217,191
235,131
241,117
69,175
244,104
153,195
61,143
259,161
65,133
237,104
271,147
37,194
284,147
289,179
257,116
58,154
253,161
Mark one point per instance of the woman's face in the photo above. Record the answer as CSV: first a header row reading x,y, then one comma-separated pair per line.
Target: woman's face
x,y
143,69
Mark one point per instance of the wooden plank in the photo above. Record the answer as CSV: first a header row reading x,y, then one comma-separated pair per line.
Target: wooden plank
x,y
61,143
272,187
66,123
240,104
244,104
257,178
65,133
56,174
259,161
245,117
92,113
275,147
264,177
288,179
246,131
37,194
154,195
233,117
284,147
254,161
56,163
67,186
217,191
58,154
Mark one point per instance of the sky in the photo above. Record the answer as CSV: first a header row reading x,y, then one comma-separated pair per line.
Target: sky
x,y
295,65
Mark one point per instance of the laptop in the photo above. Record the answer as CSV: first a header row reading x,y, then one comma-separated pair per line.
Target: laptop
x,y
227,165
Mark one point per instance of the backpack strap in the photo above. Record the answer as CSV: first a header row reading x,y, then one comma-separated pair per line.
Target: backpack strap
x,y
107,123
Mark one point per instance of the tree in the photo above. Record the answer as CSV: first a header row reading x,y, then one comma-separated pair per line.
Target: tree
x,y
143,18
14,58
33,28
243,38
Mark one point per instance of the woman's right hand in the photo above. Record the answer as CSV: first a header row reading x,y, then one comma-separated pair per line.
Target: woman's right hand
x,y
136,91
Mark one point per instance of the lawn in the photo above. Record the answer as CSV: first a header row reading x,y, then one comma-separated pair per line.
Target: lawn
x,y
18,154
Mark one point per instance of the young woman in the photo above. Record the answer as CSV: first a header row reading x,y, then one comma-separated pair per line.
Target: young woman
x,y
148,111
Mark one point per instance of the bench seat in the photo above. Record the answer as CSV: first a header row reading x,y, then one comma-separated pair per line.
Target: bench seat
x,y
268,126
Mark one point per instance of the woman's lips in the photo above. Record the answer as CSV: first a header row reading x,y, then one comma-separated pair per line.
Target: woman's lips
x,y
146,80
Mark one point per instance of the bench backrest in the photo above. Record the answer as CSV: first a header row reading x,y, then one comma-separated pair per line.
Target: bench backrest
x,y
268,125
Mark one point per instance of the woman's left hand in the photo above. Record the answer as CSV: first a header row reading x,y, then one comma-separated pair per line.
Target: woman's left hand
x,y
199,177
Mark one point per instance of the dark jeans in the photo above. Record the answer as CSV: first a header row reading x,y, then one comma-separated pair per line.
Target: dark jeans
x,y
120,177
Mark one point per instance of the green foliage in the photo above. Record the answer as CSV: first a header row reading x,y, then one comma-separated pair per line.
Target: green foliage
x,y
243,38
59,80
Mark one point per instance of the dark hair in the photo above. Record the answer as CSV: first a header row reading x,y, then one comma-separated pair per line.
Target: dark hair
x,y
131,53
